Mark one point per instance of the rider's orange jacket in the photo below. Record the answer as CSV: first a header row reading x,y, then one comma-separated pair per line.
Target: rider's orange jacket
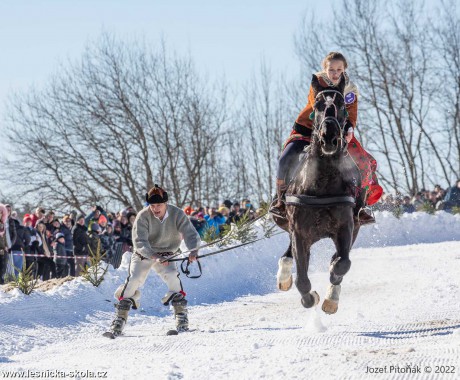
x,y
351,104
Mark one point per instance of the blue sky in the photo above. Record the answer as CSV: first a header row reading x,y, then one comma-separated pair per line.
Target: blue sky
x,y
223,37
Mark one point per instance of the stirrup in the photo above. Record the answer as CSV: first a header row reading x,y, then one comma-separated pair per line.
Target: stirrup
x,y
275,210
365,218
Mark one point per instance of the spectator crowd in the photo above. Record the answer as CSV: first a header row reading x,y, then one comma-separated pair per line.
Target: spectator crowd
x,y
57,247
424,200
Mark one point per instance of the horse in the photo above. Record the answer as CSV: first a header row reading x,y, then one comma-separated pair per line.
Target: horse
x,y
321,200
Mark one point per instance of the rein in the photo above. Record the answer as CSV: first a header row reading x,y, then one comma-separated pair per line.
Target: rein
x,y
301,200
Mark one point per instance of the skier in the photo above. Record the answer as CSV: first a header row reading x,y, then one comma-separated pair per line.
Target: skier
x,y
157,233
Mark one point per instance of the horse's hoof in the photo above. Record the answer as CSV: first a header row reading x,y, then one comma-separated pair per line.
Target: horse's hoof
x,y
331,302
286,285
329,306
313,300
284,275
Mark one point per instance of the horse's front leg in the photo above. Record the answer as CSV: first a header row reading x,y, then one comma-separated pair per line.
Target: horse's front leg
x,y
340,265
301,251
284,275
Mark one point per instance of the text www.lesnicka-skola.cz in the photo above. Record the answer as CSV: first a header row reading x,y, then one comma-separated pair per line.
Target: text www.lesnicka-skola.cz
x,y
53,374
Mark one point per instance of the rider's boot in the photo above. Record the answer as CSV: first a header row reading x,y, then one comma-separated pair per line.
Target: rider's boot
x,y
362,216
278,206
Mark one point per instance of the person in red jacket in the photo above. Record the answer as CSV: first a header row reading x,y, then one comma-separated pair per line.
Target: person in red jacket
x,y
334,66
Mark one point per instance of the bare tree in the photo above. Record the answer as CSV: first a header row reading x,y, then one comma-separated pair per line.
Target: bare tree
x,y
391,59
267,124
112,125
446,44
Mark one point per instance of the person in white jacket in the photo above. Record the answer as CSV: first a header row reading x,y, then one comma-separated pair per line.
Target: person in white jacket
x,y
157,234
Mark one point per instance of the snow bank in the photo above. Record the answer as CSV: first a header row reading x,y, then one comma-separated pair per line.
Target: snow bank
x,y
243,271
413,228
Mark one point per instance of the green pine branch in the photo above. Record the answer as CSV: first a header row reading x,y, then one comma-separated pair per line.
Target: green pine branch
x,y
25,281
96,271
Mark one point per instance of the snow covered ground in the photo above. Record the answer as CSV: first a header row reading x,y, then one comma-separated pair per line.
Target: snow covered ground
x,y
399,307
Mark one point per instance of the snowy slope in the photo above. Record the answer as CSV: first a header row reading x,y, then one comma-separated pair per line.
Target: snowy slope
x,y
399,306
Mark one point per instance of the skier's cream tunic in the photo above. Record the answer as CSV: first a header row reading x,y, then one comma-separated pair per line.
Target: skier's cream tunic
x,y
150,238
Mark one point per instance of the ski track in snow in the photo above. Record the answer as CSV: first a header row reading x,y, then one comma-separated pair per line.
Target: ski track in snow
x,y
399,306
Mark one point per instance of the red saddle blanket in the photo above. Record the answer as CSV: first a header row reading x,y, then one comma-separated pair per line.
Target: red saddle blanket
x,y
367,166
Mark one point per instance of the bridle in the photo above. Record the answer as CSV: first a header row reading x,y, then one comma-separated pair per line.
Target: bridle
x,y
302,200
330,102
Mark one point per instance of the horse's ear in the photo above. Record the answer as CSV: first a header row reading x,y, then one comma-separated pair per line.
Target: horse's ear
x,y
315,84
341,86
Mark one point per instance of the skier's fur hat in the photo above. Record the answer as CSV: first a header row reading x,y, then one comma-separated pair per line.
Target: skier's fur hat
x,y
156,195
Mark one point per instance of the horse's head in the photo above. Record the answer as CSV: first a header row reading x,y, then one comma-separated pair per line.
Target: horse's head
x,y
330,116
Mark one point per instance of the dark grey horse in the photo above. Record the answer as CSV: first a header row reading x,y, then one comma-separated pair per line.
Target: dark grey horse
x,y
320,200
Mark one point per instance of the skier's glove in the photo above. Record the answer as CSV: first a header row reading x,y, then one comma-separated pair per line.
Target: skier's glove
x,y
192,256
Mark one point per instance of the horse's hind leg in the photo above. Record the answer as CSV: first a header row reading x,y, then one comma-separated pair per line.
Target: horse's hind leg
x,y
340,265
284,275
301,252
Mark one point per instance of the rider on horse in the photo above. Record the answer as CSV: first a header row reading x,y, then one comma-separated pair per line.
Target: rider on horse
x,y
334,66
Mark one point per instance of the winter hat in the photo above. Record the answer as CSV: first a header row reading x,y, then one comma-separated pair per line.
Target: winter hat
x,y
200,215
102,219
59,235
26,219
156,195
80,216
188,210
227,203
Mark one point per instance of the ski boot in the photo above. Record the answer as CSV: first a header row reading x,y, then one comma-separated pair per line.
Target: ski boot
x,y
179,304
119,322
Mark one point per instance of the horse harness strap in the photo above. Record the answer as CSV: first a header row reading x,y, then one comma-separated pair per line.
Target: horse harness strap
x,y
313,201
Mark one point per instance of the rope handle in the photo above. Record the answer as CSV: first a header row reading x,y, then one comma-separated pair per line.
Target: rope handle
x,y
186,270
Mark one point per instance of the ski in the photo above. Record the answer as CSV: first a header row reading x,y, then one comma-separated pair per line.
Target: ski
x,y
175,332
110,334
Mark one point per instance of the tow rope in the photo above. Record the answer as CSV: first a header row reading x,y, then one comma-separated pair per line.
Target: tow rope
x,y
185,261
245,226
